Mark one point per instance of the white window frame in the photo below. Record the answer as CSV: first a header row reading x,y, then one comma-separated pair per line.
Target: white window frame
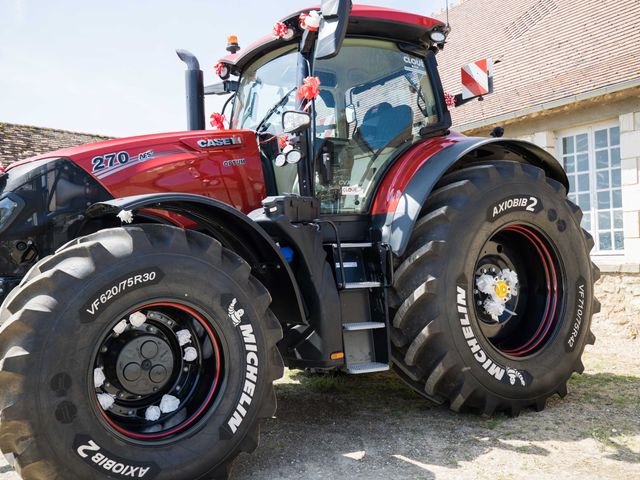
x,y
590,130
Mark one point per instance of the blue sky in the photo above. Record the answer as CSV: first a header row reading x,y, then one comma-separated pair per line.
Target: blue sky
x,y
110,68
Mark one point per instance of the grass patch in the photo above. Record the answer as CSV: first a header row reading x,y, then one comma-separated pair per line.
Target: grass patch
x,y
603,437
607,388
493,423
372,391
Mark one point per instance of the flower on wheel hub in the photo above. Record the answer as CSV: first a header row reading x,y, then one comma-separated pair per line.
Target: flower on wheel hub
x,y
498,288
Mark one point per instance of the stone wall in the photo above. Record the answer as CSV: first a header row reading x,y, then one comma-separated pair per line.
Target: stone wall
x,y
18,142
619,294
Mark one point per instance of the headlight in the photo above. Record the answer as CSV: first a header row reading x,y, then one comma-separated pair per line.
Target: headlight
x,y
9,207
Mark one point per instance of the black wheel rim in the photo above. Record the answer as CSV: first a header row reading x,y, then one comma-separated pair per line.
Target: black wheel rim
x,y
533,311
145,363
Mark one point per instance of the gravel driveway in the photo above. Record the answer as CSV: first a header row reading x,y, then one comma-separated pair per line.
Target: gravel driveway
x,y
372,427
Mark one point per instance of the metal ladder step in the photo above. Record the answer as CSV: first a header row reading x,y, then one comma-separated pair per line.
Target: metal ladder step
x,y
351,327
360,368
353,245
361,285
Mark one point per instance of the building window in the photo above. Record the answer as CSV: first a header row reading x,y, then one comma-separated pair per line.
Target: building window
x,y
591,158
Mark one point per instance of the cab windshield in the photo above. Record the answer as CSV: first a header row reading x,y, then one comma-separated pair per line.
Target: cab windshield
x,y
375,99
262,86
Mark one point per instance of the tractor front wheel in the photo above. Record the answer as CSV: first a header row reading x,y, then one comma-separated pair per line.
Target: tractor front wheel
x,y
139,352
494,297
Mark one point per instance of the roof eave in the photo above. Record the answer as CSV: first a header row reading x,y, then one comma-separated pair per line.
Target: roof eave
x,y
552,104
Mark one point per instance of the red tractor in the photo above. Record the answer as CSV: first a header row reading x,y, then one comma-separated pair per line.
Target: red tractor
x,y
156,286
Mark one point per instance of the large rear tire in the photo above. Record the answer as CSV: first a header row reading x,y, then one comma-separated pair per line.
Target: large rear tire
x,y
493,219
56,420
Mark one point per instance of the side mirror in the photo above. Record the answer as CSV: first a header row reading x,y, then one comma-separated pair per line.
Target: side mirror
x,y
333,27
476,79
350,113
294,121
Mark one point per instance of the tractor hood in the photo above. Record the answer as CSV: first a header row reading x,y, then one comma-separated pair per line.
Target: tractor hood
x,y
43,199
222,164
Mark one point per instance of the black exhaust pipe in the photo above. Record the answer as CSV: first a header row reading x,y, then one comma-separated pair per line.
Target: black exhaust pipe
x,y
194,85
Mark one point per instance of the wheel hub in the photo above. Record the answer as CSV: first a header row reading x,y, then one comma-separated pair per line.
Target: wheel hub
x,y
145,364
496,289
146,385
517,289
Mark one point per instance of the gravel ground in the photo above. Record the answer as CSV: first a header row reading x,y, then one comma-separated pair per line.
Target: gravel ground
x,y
372,427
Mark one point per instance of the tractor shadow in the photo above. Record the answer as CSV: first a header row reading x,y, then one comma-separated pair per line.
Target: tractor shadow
x,y
373,426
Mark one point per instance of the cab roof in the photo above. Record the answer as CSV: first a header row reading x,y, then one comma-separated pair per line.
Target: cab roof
x,y
364,20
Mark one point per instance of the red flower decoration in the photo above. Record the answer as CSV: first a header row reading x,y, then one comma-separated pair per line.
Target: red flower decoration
x,y
280,30
450,100
310,21
219,67
283,141
217,121
310,89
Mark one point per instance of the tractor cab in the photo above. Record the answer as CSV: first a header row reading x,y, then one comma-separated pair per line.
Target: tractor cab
x,y
377,94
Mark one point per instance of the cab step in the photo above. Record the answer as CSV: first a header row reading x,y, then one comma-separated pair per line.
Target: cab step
x,y
352,327
361,285
372,367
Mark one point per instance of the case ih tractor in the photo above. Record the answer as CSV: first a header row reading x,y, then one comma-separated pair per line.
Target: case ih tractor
x,y
155,286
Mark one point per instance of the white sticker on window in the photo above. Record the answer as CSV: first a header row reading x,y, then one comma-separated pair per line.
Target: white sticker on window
x,y
412,64
354,190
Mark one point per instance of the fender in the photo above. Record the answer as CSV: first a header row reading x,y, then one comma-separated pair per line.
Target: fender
x,y
395,219
235,231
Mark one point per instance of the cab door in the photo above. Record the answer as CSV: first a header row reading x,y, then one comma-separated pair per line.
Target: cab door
x,y
374,102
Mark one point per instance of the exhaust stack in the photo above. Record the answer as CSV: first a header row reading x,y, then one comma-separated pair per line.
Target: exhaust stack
x,y
194,85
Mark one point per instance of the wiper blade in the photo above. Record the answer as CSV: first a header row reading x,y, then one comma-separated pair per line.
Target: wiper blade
x,y
273,109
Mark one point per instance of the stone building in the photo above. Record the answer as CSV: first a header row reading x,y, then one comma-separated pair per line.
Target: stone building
x,y
18,142
566,77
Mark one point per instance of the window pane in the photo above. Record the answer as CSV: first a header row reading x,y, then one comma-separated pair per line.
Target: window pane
x,y
615,157
582,143
614,136
615,178
617,198
602,159
583,182
603,180
569,163
601,138
583,162
605,241
619,240
617,219
604,221
584,201
567,145
586,222
603,200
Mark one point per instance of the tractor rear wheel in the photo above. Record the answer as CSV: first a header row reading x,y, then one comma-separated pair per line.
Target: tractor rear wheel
x,y
138,352
494,296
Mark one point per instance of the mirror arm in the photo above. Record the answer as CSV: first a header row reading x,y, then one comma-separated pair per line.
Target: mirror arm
x,y
459,101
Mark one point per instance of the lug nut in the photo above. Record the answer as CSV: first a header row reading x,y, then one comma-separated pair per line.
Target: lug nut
x,y
120,394
104,349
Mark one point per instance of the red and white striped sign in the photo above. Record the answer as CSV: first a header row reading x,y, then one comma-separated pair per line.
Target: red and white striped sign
x,y
477,78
